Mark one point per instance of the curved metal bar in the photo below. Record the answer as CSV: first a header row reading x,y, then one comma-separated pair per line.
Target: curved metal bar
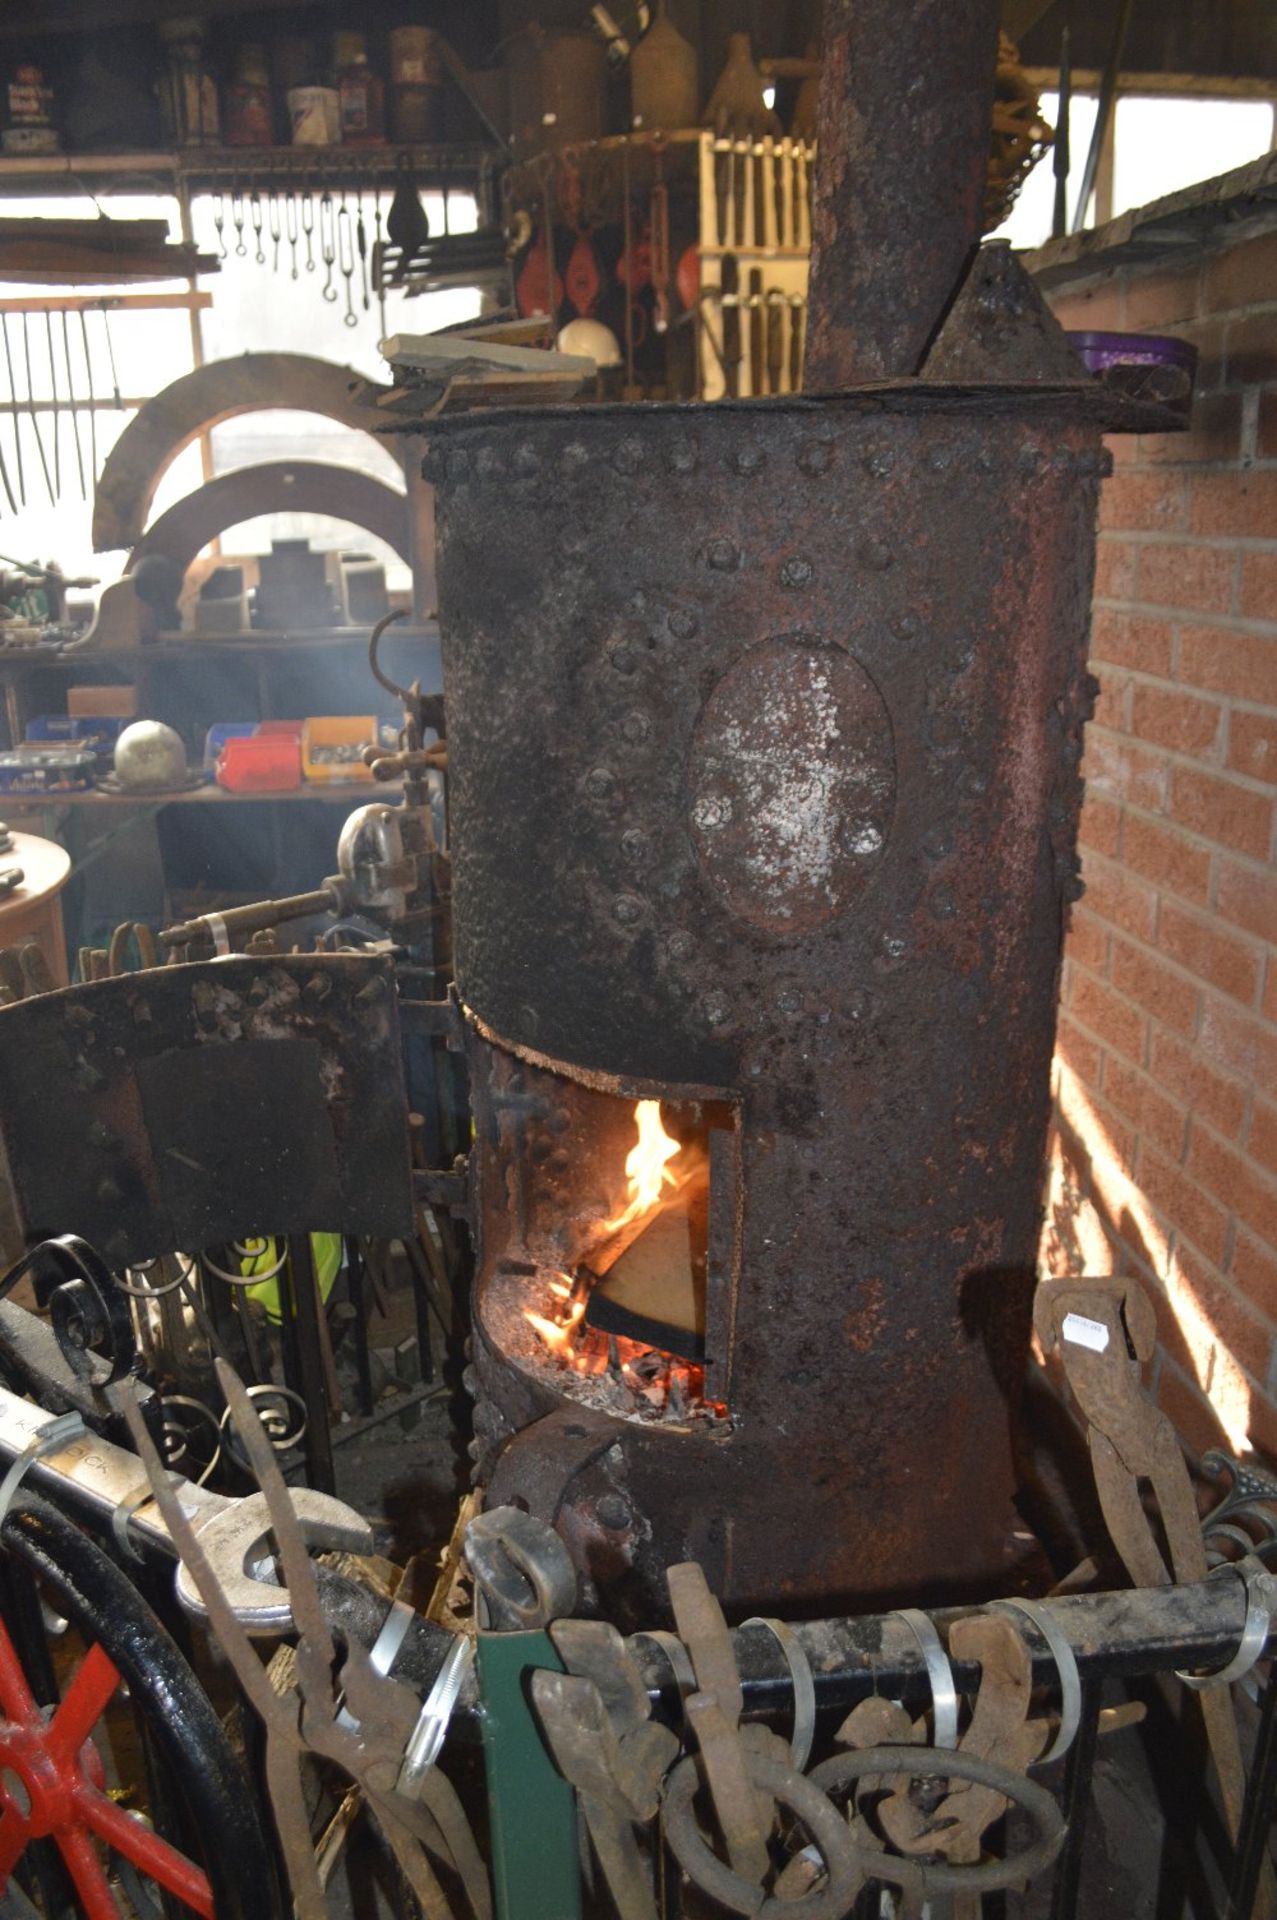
x,y
1260,1588
1065,1666
944,1695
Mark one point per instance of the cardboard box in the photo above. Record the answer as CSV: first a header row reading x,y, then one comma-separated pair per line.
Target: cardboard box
x,y
103,703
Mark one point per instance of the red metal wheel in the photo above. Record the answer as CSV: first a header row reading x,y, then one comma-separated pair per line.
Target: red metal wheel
x,y
52,1786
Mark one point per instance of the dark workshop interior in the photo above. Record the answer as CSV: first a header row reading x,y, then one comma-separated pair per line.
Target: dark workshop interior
x,y
638,960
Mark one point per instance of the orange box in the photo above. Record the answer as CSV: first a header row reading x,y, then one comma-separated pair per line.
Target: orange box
x,y
103,703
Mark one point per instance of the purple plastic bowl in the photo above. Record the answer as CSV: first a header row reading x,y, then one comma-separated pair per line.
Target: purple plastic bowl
x,y
1144,366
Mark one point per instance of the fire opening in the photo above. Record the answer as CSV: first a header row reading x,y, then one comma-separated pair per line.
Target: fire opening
x,y
626,1317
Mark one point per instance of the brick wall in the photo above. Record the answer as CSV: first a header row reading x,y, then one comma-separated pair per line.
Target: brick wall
x,y
1166,1160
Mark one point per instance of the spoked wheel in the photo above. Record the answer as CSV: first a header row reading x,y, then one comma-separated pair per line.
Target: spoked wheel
x,y
53,1787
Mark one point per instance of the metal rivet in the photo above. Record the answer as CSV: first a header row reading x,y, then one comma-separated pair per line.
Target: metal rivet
x,y
628,456
816,457
683,623
487,463
372,993
525,460
894,946
937,844
876,554
905,624
613,1512
458,463
974,781
100,1135
940,459
622,657
859,1003
789,1000
573,457
317,989
880,462
635,846
723,555
944,733
710,810
942,903
985,460
108,1192
599,783
679,946
796,572
750,458
1029,460
682,457
636,726
627,909
574,543
716,1007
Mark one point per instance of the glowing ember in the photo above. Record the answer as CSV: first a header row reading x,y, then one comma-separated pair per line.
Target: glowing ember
x,y
646,1165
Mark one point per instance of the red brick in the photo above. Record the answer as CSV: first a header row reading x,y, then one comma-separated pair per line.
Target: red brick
x,y
1266,424
1154,300
1250,346
1115,566
1184,722
1179,1066
1188,1410
1101,824
1119,897
1157,1118
1152,501
1258,599
1270,991
1242,1333
1166,856
1241,275
1221,810
1208,337
1214,434
1199,579
1233,1041
1131,640
1241,664
1261,1425
1261,1142
1142,977
1253,1270
1107,1017
1235,506
1182,1204
1123,770
1112,704
1081,1053
1088,941
1230,964
1252,744
1232,1180
1171,1337
1247,896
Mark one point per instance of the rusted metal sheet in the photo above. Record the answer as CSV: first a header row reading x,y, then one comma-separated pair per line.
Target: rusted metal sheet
x,y
183,1106
764,732
280,486
906,103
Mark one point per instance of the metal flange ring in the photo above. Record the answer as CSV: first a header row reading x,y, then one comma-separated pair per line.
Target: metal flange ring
x,y
1260,1587
944,1695
1065,1666
732,1890
987,1876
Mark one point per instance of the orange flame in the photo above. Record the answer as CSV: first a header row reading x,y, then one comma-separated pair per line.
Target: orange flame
x,y
646,1165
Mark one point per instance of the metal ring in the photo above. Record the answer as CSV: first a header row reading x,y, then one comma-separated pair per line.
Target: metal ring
x,y
49,1438
426,1739
798,1792
246,1279
274,1422
1255,1632
944,1695
677,1655
384,1650
133,1502
844,1769
1066,1669
804,1727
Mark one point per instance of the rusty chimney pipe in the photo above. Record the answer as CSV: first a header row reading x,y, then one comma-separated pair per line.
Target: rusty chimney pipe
x,y
906,102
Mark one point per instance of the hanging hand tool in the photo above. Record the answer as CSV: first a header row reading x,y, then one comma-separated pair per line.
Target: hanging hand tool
x,y
219,223
272,222
346,260
75,418
110,348
255,217
53,403
291,228
93,416
327,244
361,243
31,409
13,396
237,218
308,224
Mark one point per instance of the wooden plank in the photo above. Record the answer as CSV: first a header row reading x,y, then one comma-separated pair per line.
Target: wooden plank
x,y
195,301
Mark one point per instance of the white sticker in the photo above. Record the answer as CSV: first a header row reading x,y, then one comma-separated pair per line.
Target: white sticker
x,y
1085,1333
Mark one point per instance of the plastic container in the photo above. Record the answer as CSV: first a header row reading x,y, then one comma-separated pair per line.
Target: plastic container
x,y
1143,366
333,745
46,770
260,763
217,736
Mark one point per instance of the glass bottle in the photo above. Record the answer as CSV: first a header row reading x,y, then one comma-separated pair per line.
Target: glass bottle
x,y
361,93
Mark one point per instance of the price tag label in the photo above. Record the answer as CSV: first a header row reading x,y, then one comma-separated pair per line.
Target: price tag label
x,y
1084,1332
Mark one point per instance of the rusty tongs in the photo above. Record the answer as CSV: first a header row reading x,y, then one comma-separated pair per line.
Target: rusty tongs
x,y
364,1723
